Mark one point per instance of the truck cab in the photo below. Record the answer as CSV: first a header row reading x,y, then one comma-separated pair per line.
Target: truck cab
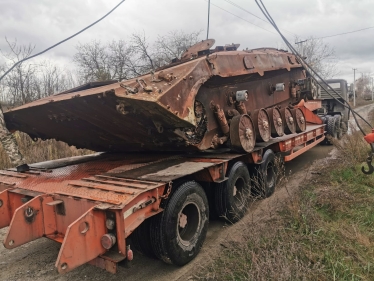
x,y
333,112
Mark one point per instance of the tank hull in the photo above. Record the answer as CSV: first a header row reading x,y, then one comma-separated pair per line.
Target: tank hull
x,y
170,110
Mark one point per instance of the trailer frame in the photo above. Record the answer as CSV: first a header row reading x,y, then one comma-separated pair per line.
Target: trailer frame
x,y
92,204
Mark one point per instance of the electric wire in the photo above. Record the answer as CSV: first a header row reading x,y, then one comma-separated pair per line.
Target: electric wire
x,y
245,10
345,32
354,113
241,18
59,43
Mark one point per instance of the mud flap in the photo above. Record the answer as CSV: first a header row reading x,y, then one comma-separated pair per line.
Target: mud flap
x,y
27,223
82,241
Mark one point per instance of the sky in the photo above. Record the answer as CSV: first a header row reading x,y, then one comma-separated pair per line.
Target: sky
x,y
43,23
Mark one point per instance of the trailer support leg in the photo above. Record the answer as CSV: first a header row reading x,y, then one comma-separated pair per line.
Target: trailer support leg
x,y
82,241
27,223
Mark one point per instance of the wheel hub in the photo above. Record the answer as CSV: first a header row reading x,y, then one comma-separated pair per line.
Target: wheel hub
x,y
279,122
182,220
265,124
248,133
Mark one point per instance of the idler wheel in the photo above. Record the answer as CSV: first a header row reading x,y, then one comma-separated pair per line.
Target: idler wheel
x,y
299,118
242,133
289,121
262,125
277,125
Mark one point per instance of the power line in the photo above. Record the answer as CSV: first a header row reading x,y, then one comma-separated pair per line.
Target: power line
x,y
245,10
55,45
345,32
241,18
241,8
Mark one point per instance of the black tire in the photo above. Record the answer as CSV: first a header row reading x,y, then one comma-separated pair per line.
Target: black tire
x,y
141,239
344,127
172,242
233,196
330,128
267,175
338,126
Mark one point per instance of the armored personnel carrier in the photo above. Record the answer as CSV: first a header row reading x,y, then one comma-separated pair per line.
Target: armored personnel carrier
x,y
209,99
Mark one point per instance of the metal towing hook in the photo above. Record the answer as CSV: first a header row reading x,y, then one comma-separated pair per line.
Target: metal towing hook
x,y
370,165
370,140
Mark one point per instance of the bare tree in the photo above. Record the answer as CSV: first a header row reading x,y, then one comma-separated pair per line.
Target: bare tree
x,y
29,81
173,45
93,61
363,85
21,81
319,55
120,60
143,60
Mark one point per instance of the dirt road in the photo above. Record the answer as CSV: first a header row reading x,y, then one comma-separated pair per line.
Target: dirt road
x,y
35,260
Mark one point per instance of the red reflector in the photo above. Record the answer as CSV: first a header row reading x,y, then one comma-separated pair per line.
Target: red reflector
x,y
130,255
108,240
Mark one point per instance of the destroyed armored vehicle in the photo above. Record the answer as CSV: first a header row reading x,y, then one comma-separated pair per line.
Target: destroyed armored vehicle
x,y
209,99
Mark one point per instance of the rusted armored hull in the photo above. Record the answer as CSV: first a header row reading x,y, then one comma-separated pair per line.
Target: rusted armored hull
x,y
174,109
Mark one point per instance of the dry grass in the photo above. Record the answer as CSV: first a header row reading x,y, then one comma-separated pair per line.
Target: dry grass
x,y
37,151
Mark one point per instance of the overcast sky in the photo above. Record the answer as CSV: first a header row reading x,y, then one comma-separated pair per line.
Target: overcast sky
x,y
45,22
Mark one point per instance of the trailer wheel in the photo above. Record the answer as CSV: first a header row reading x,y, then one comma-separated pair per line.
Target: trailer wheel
x,y
178,233
141,239
338,126
267,174
331,128
233,196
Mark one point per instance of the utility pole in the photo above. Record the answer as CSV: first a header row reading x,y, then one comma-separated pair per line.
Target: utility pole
x,y
207,30
301,46
354,86
372,92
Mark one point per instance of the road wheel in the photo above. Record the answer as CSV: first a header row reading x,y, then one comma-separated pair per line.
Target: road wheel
x,y
331,128
233,196
178,233
338,126
266,176
141,239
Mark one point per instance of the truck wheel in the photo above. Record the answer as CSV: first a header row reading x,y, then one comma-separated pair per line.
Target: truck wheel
x,y
141,239
178,233
331,128
344,127
267,175
338,126
233,196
